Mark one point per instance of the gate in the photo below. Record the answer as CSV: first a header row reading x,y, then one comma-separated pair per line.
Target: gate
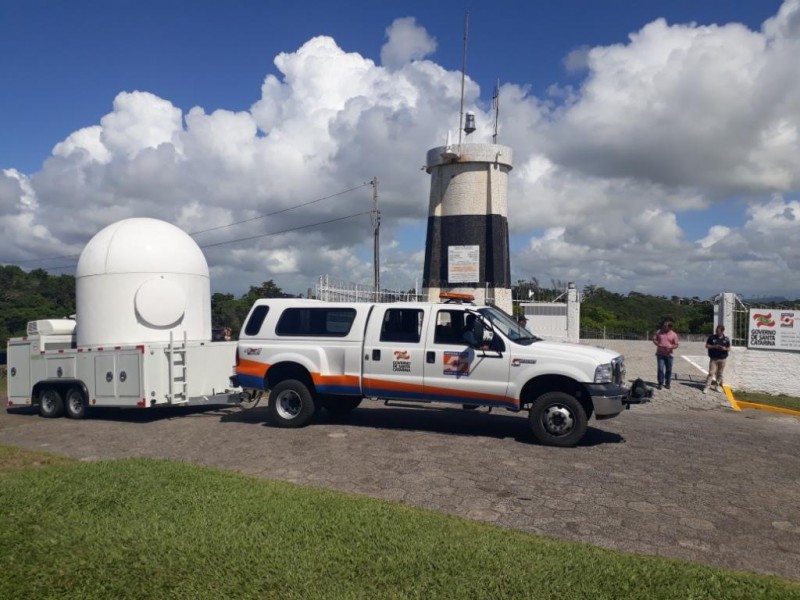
x,y
733,314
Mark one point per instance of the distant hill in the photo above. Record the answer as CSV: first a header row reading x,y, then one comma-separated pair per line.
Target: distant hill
x,y
767,300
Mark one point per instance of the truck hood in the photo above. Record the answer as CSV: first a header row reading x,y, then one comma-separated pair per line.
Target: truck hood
x,y
565,350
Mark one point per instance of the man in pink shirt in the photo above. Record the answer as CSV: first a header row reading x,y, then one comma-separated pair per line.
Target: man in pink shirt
x,y
666,340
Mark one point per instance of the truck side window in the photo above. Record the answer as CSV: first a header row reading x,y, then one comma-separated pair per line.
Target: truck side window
x,y
449,327
329,322
256,320
402,325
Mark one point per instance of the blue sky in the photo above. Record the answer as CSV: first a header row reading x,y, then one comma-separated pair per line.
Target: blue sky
x,y
65,63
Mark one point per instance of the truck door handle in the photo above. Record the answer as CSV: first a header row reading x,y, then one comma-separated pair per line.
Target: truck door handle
x,y
430,357
376,355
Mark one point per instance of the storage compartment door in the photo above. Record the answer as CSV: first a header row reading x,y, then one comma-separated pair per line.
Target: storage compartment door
x,y
104,377
19,371
129,381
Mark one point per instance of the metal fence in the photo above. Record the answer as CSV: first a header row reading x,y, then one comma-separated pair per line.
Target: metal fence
x,y
337,290
588,333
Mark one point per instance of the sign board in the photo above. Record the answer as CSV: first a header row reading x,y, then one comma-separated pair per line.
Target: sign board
x,y
774,329
463,264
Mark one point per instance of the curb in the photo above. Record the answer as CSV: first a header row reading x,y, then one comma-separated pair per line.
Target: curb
x,y
738,405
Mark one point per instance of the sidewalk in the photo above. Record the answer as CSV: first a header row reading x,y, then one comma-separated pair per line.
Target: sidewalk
x,y
688,375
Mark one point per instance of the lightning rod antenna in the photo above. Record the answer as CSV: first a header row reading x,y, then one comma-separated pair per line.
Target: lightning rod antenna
x,y
463,76
496,107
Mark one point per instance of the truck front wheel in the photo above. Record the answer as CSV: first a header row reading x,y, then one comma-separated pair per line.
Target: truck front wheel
x,y
558,419
51,405
291,404
75,404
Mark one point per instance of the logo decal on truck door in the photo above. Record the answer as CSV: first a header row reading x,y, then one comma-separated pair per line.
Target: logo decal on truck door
x,y
401,362
456,363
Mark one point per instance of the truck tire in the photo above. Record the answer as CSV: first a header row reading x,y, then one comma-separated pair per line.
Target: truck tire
x,y
75,403
558,419
51,404
291,404
340,405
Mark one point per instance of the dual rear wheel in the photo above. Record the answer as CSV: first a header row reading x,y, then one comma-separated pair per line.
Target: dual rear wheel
x,y
292,404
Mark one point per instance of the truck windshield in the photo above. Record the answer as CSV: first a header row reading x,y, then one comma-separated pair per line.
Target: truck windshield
x,y
508,326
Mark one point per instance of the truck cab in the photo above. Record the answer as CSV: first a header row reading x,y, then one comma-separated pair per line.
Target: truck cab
x,y
453,352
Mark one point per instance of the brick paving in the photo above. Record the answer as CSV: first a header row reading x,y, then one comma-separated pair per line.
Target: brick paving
x,y
683,477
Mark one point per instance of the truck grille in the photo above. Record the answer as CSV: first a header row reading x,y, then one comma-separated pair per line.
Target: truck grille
x,y
618,370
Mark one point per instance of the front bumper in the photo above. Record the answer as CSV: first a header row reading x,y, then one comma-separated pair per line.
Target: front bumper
x,y
610,399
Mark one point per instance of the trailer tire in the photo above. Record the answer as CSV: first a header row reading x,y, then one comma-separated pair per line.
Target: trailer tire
x,y
340,405
75,403
51,404
558,419
291,404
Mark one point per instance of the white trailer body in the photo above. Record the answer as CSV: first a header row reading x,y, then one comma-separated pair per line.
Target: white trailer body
x,y
47,368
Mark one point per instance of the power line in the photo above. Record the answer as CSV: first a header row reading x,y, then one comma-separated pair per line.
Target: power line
x,y
30,260
254,237
277,212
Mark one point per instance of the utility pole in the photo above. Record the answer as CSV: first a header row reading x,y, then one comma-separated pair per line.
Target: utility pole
x,y
376,248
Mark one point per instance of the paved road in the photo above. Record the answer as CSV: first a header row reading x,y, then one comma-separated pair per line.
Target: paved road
x,y
683,477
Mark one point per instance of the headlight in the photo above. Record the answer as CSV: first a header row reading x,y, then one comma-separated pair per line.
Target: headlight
x,y
603,374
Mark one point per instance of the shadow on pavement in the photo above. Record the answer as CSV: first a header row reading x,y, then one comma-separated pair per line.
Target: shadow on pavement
x,y
138,415
446,422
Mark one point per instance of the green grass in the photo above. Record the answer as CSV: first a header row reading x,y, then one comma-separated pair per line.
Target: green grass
x,y
780,400
160,529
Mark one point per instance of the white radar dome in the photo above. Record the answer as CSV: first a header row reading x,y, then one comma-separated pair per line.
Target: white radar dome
x,y
138,280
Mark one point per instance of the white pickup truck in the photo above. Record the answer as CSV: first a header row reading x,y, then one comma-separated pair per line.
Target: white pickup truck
x,y
310,354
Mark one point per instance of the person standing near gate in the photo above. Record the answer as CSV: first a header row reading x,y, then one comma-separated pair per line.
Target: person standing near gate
x,y
666,340
718,346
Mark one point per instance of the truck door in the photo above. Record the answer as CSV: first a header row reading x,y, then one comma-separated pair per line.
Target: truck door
x,y
457,372
393,352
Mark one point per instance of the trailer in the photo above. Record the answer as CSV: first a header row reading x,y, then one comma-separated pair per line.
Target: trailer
x,y
47,369
141,336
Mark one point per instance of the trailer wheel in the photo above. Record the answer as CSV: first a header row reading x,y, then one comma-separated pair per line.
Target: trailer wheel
x,y
51,404
291,404
558,419
340,405
75,404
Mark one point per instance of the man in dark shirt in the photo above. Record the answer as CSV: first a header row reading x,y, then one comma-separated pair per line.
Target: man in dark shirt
x,y
718,346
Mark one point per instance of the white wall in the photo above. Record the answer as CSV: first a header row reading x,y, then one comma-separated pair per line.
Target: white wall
x,y
771,371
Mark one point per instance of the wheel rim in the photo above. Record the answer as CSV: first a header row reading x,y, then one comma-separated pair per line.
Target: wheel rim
x,y
558,420
74,403
289,404
48,402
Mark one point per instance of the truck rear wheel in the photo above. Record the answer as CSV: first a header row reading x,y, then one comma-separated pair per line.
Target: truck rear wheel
x,y
340,405
291,404
51,404
558,419
75,404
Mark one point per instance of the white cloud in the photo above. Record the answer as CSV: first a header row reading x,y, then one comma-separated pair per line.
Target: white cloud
x,y
608,177
406,42
717,107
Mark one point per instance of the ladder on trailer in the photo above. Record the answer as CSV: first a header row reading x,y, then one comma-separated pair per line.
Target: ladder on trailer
x,y
176,363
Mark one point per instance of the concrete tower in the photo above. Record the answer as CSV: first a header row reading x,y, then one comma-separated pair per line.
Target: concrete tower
x,y
466,250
